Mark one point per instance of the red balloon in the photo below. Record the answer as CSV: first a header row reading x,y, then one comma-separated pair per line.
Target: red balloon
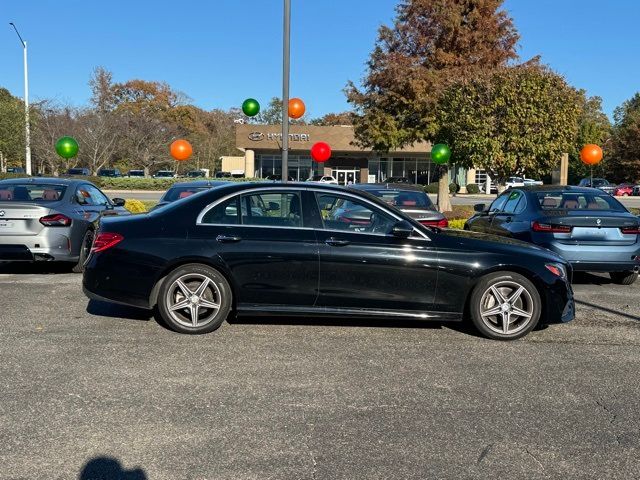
x,y
591,154
181,150
296,108
321,152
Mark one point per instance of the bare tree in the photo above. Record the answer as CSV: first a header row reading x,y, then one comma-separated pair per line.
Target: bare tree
x,y
146,140
51,123
98,133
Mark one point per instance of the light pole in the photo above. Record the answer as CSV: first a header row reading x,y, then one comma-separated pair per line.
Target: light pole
x,y
286,55
27,132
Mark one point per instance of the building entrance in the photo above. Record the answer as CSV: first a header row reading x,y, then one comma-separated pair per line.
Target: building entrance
x,y
345,177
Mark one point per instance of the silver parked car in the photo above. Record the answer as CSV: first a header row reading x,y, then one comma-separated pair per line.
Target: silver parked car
x,y
51,219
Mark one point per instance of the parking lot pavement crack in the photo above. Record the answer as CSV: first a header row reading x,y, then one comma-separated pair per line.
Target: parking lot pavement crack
x,y
535,459
612,418
484,453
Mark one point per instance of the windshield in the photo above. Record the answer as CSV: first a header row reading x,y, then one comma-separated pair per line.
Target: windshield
x,y
176,193
578,201
31,192
403,198
76,171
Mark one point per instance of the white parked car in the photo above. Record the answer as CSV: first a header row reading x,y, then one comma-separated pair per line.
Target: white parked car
x,y
323,179
530,181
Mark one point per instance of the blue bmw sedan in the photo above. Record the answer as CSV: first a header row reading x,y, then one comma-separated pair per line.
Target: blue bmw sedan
x,y
586,226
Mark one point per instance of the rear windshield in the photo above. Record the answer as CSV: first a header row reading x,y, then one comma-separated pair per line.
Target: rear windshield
x,y
403,198
176,193
578,201
31,192
76,171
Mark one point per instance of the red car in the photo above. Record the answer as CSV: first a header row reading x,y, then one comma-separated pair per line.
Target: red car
x,y
623,190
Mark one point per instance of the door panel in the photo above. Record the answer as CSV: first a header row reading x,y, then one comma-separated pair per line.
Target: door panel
x,y
363,266
270,263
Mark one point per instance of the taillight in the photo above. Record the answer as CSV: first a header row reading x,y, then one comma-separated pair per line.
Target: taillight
x,y
631,230
550,228
105,240
443,223
55,220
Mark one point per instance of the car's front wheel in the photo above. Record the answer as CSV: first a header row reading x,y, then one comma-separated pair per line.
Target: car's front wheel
x,y
194,299
505,306
624,278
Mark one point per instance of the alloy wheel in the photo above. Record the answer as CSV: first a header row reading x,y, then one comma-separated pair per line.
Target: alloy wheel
x,y
193,300
506,307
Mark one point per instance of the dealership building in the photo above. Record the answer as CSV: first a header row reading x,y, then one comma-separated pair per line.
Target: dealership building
x,y
349,163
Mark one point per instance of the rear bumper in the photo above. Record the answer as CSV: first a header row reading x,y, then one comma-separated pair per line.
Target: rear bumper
x,y
56,247
598,258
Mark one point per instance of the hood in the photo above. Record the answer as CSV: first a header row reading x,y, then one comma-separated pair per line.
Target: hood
x,y
483,242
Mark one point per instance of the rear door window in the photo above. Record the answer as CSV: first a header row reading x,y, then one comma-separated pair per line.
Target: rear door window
x,y
498,203
271,209
515,203
348,214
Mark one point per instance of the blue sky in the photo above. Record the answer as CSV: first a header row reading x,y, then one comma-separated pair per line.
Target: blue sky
x,y
219,52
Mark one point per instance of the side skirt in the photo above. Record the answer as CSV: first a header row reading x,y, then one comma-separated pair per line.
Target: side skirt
x,y
287,310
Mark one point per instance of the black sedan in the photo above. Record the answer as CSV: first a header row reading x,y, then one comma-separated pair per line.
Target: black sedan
x,y
586,226
283,249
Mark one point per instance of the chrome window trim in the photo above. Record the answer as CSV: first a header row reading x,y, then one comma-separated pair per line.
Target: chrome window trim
x,y
283,189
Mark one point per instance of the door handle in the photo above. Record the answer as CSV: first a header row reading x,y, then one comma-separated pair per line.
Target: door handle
x,y
227,239
335,242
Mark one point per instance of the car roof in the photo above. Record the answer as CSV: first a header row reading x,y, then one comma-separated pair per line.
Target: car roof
x,y
44,180
200,183
559,188
388,186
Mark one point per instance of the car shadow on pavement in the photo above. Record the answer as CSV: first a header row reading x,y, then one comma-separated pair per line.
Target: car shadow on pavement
x,y
608,310
108,468
113,310
462,327
587,278
26,268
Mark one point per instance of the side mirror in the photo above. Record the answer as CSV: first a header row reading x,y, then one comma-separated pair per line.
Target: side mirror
x,y
402,229
118,202
480,207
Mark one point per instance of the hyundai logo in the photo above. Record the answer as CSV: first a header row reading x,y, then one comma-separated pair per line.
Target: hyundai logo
x,y
1,213
598,221
256,136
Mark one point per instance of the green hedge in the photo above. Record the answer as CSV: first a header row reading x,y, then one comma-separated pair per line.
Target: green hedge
x,y
125,183
473,188
433,188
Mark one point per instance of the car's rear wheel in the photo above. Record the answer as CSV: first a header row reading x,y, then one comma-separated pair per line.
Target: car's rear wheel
x,y
624,278
194,299
505,306
85,249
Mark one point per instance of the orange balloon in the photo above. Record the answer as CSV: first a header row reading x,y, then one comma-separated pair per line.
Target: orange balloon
x,y
296,108
181,150
591,154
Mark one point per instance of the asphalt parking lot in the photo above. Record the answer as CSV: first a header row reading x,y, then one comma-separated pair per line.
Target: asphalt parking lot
x,y
92,384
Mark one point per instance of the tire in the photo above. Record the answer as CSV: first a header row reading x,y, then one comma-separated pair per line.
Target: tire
x,y
495,290
624,278
200,289
85,248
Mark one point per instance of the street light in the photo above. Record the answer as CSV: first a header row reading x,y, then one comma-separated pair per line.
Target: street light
x,y
27,133
286,54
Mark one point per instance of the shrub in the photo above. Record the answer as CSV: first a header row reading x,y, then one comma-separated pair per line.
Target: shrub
x,y
457,224
473,188
134,206
454,188
431,188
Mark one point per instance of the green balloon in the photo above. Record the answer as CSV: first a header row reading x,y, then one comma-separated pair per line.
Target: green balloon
x,y
440,154
67,147
250,107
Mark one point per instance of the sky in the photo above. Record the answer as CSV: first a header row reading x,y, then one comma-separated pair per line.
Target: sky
x,y
219,52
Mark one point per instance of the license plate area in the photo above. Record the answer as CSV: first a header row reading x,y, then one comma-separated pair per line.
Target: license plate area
x,y
5,225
